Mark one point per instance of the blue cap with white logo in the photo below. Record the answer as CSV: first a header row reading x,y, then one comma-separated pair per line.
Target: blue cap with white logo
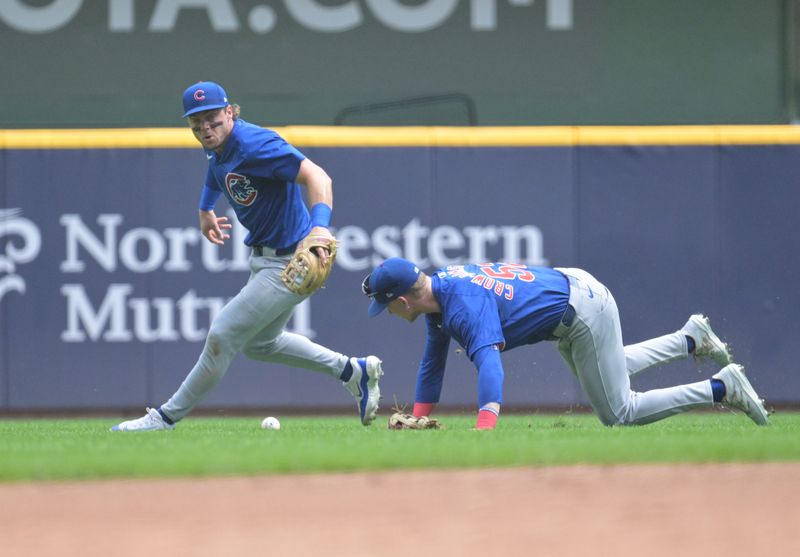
x,y
205,95
392,278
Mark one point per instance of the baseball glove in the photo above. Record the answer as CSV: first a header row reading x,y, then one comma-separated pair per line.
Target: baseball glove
x,y
305,272
401,420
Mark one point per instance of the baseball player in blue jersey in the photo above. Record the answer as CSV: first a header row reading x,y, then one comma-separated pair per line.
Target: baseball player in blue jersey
x,y
493,307
260,175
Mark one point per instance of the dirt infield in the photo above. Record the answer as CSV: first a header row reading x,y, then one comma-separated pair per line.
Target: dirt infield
x,y
622,511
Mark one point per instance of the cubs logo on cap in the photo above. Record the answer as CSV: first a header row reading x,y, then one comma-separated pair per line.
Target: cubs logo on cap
x,y
205,95
392,278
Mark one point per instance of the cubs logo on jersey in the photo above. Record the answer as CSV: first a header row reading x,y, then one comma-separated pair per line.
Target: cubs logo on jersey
x,y
240,189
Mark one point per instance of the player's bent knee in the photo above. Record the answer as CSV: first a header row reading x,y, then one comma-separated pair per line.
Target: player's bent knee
x,y
213,346
610,418
218,342
625,417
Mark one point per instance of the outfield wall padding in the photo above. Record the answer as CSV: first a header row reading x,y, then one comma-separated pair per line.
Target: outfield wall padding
x,y
106,287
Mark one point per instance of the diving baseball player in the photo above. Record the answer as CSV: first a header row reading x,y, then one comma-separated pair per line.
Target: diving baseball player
x,y
493,307
260,175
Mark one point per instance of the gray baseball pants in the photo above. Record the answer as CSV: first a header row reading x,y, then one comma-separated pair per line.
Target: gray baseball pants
x,y
253,323
592,347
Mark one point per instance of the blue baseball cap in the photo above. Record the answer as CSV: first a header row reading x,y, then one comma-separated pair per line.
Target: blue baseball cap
x,y
205,95
392,278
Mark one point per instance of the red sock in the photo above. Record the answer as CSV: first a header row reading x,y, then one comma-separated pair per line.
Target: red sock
x,y
423,408
487,419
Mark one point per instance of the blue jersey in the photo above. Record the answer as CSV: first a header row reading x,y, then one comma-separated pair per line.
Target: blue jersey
x,y
256,173
493,304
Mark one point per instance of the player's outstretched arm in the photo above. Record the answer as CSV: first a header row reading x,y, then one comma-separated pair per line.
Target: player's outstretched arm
x,y
490,385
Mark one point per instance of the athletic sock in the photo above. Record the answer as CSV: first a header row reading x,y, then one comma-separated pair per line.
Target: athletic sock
x,y
347,372
718,390
690,344
165,417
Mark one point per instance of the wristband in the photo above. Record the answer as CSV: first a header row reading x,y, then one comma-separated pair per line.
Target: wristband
x,y
320,215
487,418
422,408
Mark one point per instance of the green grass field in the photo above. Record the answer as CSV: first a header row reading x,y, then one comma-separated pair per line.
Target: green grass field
x,y
84,449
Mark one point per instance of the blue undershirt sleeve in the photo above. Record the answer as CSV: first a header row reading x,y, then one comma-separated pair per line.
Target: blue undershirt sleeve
x,y
430,376
490,375
209,198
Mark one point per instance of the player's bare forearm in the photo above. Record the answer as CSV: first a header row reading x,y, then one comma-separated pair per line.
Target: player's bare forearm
x,y
318,183
320,192
213,227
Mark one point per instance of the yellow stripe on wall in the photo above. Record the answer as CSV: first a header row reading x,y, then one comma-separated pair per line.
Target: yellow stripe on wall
x,y
416,136
129,138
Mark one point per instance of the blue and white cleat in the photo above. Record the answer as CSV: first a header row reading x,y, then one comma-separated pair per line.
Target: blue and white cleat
x,y
739,393
151,421
706,343
363,385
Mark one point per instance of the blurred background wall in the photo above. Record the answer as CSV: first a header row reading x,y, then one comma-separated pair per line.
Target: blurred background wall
x,y
81,63
106,289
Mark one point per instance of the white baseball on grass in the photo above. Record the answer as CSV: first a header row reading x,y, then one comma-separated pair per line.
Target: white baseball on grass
x,y
270,423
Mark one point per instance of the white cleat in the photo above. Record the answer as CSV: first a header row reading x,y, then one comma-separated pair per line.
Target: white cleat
x,y
739,393
706,343
363,385
151,421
